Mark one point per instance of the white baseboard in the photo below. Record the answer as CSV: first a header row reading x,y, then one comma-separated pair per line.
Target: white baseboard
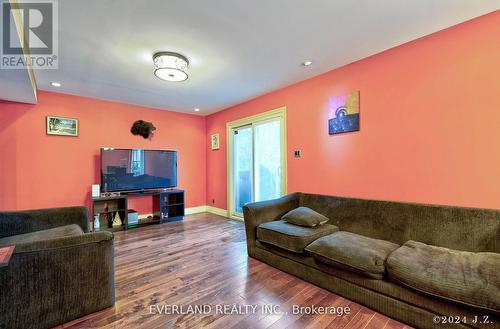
x,y
237,218
145,216
217,211
196,210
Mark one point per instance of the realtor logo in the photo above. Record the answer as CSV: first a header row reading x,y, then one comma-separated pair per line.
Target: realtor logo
x,y
29,35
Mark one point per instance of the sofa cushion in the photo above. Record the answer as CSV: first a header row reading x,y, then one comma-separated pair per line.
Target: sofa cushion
x,y
304,216
353,252
53,233
471,279
291,237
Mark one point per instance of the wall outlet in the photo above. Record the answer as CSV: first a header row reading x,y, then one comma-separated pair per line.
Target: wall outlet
x,y
297,153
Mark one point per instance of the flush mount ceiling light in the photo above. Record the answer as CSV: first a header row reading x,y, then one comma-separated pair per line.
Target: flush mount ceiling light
x,y
55,84
170,66
306,63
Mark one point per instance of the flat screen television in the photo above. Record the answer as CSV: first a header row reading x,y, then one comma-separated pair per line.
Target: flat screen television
x,y
136,169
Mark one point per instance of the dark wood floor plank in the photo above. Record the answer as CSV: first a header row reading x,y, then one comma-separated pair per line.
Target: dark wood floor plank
x,y
377,322
393,324
360,320
342,321
323,321
203,261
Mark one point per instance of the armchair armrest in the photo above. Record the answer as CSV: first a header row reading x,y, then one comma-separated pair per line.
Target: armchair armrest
x,y
257,213
64,242
57,280
20,222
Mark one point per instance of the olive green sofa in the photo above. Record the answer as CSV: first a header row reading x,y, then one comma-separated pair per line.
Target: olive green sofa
x,y
58,271
415,263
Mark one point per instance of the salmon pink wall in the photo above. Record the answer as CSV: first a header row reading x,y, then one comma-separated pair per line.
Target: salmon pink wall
x,y
39,171
430,124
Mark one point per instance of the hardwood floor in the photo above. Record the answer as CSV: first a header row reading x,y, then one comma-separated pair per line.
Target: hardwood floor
x,y
202,261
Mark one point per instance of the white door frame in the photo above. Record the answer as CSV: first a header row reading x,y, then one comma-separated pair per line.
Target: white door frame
x,y
279,113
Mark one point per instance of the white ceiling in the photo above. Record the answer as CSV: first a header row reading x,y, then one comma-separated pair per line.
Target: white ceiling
x,y
17,85
238,49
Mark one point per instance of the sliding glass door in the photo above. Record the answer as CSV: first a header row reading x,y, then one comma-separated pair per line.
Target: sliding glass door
x,y
267,162
257,161
243,167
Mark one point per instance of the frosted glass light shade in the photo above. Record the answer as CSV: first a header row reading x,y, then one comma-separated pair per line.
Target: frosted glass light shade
x,y
170,66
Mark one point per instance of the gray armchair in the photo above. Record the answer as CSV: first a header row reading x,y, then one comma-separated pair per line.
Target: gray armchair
x,y
58,272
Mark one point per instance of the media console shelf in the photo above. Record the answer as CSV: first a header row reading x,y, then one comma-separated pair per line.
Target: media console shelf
x,y
168,206
106,208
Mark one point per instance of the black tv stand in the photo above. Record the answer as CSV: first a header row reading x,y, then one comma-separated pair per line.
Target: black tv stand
x,y
168,206
147,192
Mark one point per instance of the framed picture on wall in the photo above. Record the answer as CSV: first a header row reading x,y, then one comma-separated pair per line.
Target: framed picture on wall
x,y
215,142
62,126
344,113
